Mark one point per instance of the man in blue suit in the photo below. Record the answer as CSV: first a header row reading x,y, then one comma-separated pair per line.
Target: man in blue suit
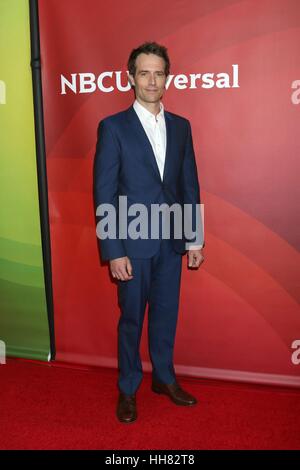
x,y
145,155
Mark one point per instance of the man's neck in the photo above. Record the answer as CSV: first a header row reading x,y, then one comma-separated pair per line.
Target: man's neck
x,y
153,108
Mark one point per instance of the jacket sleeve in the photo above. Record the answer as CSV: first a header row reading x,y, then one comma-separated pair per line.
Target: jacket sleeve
x,y
193,222
106,182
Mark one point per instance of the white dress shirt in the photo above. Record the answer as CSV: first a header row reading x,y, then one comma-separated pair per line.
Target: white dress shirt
x,y
155,128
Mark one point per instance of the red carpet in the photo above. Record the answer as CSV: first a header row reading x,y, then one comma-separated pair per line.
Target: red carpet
x,y
44,406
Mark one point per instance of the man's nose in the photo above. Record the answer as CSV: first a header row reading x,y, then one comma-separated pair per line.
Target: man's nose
x,y
152,79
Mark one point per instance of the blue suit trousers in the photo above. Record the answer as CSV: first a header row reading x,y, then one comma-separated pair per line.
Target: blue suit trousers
x,y
156,283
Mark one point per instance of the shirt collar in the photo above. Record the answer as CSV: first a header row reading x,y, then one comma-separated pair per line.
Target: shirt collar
x,y
143,113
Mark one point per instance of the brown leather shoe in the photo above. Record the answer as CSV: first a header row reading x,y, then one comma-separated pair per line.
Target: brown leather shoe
x,y
126,409
174,392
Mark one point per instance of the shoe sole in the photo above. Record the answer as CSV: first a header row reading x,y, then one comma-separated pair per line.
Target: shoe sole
x,y
160,392
129,421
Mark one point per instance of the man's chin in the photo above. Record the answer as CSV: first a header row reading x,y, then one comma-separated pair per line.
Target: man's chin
x,y
152,99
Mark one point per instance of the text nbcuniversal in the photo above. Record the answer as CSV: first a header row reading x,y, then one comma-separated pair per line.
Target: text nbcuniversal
x,y
108,81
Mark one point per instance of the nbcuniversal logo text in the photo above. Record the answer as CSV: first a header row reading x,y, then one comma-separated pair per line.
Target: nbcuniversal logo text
x,y
2,352
2,92
295,97
108,81
296,354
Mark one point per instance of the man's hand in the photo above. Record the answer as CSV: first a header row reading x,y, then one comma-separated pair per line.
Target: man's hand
x,y
195,258
121,268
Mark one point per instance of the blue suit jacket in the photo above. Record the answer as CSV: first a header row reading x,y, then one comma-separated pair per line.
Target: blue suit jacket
x,y
125,165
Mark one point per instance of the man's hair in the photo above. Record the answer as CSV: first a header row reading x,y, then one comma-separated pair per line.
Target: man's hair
x,y
148,48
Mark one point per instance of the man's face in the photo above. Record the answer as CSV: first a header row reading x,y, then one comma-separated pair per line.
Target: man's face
x,y
150,78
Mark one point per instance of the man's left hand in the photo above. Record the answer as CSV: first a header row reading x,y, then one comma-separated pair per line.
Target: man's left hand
x,y
195,258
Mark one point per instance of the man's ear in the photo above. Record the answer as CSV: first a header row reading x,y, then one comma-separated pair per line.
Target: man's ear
x,y
131,79
166,81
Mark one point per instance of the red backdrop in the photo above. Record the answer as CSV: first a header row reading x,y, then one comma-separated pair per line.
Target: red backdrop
x,y
239,314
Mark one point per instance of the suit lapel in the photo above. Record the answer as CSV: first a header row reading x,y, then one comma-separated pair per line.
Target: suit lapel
x,y
170,139
143,138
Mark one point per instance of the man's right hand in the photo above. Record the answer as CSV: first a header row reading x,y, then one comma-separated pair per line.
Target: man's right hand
x,y
121,268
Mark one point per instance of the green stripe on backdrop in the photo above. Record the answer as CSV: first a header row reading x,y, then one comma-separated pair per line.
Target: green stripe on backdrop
x,y
23,311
